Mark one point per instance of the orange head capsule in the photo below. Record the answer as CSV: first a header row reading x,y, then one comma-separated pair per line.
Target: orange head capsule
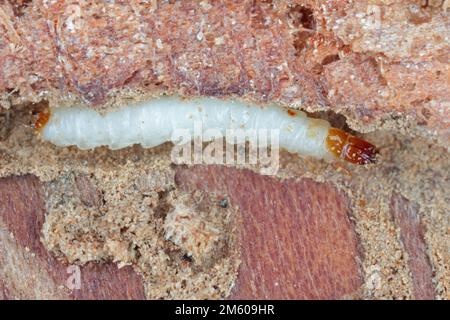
x,y
350,148
42,118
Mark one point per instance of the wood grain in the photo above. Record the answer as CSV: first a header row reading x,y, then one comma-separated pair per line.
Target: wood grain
x,y
297,239
29,271
412,230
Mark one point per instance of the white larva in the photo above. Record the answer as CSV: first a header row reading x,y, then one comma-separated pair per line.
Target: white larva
x,y
153,122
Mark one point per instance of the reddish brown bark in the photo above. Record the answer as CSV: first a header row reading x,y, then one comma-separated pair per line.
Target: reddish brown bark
x,y
297,241
406,217
337,54
22,210
296,237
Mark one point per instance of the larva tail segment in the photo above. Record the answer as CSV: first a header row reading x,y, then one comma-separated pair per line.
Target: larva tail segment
x,y
350,148
41,119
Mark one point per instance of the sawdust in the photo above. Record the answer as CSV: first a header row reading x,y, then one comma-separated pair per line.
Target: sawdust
x,y
397,89
128,215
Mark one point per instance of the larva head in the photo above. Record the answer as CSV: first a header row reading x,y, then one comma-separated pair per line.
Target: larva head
x,y
42,118
350,148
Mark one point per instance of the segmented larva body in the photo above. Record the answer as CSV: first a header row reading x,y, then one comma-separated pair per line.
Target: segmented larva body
x,y
154,122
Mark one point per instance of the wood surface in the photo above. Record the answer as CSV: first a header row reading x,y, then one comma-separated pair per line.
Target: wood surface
x,y
297,242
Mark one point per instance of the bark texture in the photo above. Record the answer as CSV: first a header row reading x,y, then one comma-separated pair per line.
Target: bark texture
x,y
372,60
